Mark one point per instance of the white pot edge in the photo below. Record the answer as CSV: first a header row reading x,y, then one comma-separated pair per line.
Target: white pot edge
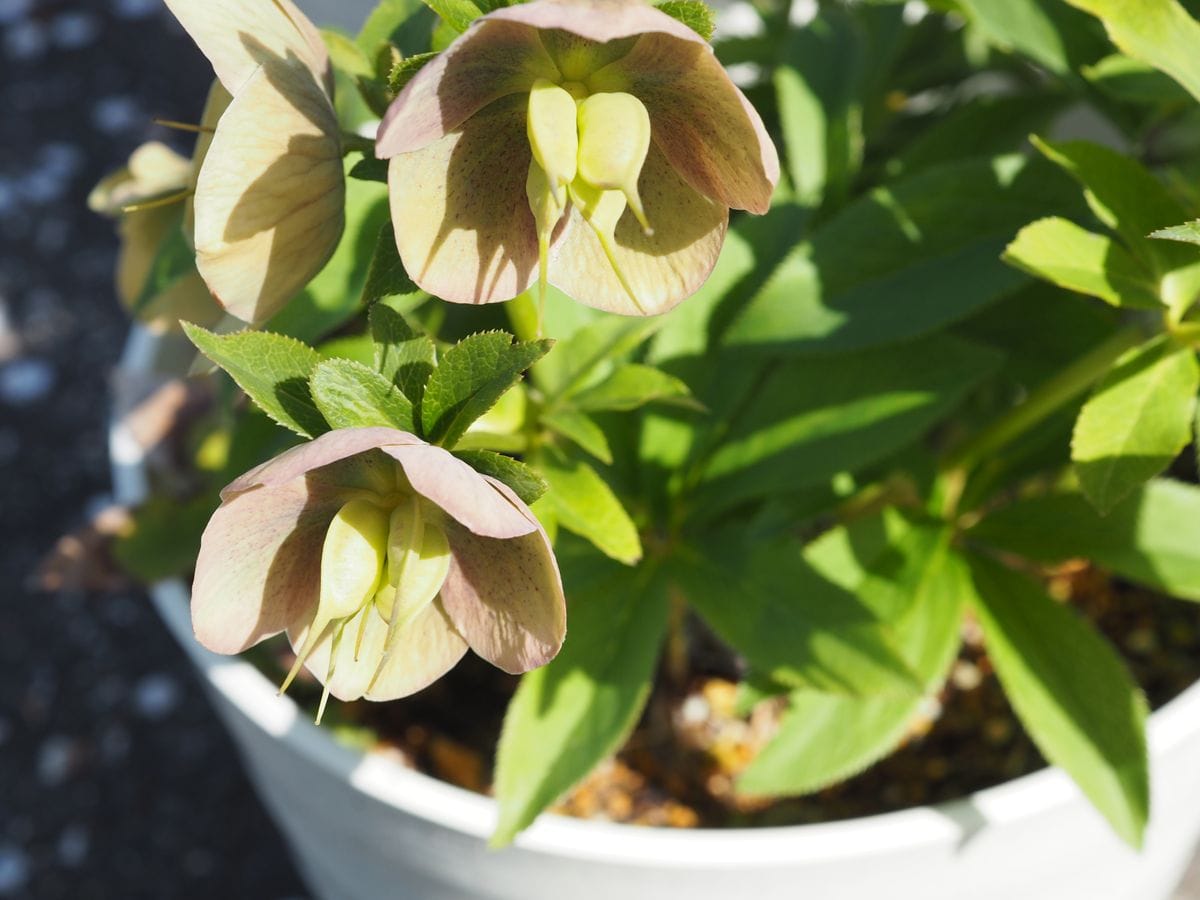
x,y
387,780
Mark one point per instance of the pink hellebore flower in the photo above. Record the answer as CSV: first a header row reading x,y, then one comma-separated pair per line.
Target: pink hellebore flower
x,y
596,145
269,202
383,558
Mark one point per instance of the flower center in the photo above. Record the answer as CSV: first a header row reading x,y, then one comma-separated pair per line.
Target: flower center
x,y
382,555
588,148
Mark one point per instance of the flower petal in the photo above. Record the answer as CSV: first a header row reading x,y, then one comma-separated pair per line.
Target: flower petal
x,y
505,597
701,122
661,269
215,104
236,36
469,498
491,60
464,228
270,198
258,569
597,20
328,448
425,650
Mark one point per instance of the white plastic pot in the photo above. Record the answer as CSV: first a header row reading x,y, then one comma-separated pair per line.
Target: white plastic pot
x,y
364,827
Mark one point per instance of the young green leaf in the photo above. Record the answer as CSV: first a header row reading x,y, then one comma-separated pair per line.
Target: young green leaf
x,y
582,429
570,714
525,482
404,70
1070,691
695,14
458,14
1050,33
1187,233
1136,422
402,356
345,54
173,260
1147,537
1133,81
386,275
404,23
370,169
350,395
272,369
470,378
1158,32
631,386
584,504
1061,252
590,352
792,624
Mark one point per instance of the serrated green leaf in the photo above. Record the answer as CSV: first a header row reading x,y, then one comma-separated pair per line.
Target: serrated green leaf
x,y
570,714
1137,421
1070,691
457,14
695,14
1152,536
1158,32
402,356
631,386
525,482
272,369
470,378
792,624
1061,252
903,260
386,275
351,395
1188,233
584,504
404,70
582,429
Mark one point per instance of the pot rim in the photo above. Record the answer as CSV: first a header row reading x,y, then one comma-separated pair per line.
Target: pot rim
x,y
385,778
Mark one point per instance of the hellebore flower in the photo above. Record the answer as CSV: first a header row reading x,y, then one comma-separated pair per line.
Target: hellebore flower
x,y
596,145
383,558
270,195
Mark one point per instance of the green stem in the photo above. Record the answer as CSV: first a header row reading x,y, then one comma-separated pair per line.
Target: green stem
x,y
1042,402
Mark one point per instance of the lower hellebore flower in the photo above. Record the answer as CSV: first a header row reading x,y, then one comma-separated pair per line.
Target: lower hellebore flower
x,y
270,196
596,145
383,558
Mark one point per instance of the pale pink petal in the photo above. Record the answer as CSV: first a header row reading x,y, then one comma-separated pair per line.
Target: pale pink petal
x,y
237,36
701,122
270,197
258,569
471,499
663,268
422,652
598,20
464,229
328,448
491,60
505,597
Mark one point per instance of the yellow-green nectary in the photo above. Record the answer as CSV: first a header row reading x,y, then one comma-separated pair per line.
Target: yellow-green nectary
x,y
384,559
596,145
269,202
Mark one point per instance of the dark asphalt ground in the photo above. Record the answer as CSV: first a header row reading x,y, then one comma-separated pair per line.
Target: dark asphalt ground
x,y
115,779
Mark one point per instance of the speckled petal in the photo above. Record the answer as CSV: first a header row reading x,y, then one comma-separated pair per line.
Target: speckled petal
x,y
598,20
463,224
491,60
259,563
270,198
326,449
663,268
505,597
466,496
238,35
701,122
425,650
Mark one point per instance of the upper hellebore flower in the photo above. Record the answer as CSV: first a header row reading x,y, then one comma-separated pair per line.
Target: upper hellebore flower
x,y
384,558
270,194
596,145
